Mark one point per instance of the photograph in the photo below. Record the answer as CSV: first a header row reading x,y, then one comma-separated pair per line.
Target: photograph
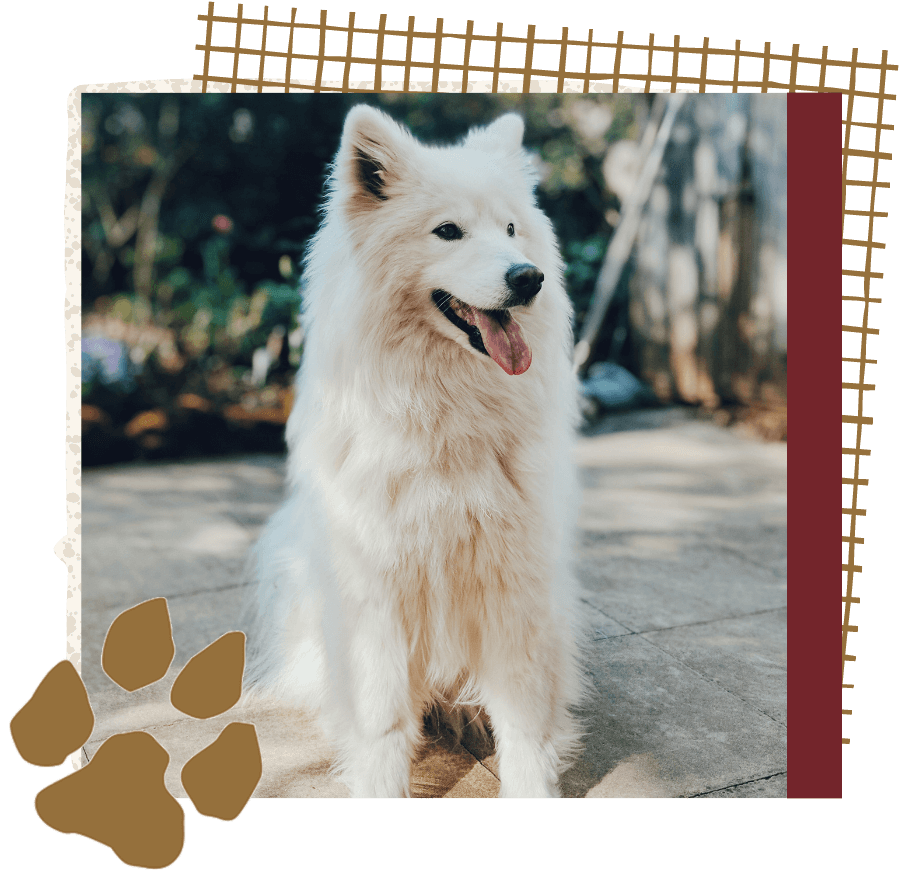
x,y
449,428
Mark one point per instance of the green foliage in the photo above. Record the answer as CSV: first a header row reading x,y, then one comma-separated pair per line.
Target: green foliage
x,y
197,209
583,259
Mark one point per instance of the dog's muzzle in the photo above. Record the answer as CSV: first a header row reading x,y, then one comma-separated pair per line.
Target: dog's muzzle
x,y
495,332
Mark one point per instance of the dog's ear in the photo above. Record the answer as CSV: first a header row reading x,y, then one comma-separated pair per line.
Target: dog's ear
x,y
372,149
505,134
503,138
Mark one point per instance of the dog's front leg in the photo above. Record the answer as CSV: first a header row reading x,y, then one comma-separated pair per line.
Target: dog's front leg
x,y
520,699
386,710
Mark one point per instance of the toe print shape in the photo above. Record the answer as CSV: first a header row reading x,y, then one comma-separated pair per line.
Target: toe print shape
x,y
220,779
139,647
56,721
211,681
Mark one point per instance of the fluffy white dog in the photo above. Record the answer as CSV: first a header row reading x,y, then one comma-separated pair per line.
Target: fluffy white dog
x,y
420,559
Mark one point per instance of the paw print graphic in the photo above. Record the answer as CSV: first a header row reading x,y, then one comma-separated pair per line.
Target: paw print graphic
x,y
119,798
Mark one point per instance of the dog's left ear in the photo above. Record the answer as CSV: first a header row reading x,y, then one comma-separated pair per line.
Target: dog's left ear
x,y
505,134
504,138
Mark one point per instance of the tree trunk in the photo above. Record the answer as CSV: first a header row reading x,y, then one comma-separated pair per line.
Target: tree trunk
x,y
708,293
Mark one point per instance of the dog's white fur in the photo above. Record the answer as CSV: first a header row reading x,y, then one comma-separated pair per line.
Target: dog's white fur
x,y
421,555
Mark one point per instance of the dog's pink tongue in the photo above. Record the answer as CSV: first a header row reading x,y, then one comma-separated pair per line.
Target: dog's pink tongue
x,y
504,342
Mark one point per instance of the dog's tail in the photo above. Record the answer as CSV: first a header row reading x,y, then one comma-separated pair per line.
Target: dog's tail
x,y
281,617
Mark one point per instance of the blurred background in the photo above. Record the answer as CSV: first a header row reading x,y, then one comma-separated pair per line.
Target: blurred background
x,y
670,211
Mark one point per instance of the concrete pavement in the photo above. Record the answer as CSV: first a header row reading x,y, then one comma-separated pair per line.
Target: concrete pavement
x,y
682,556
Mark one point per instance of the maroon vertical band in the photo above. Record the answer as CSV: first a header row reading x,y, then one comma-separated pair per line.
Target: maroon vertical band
x,y
814,188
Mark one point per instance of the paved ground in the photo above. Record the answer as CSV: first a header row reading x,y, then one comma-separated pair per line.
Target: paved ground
x,y
683,560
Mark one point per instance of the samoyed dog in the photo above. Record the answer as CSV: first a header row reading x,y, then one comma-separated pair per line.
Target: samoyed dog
x,y
420,559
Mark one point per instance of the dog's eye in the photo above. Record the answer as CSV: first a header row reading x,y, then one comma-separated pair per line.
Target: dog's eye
x,y
510,230
448,232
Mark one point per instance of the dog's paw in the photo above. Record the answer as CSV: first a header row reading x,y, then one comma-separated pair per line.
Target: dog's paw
x,y
119,798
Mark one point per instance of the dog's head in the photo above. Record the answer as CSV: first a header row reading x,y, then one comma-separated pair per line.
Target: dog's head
x,y
453,231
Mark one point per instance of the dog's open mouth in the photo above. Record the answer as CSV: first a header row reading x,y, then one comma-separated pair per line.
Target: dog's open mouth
x,y
493,333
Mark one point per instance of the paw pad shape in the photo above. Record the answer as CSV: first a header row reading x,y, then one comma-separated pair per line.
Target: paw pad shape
x,y
119,798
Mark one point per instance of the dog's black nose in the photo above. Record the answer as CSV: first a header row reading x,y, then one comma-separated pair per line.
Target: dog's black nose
x,y
524,282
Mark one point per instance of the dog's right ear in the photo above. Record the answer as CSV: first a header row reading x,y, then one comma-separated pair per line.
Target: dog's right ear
x,y
372,148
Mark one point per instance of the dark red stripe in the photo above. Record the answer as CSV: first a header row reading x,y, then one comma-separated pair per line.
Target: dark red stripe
x,y
814,379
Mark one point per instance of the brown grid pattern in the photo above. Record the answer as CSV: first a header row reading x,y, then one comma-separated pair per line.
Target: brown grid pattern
x,y
360,58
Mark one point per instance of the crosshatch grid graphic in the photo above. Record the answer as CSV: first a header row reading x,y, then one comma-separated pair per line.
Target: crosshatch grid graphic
x,y
272,55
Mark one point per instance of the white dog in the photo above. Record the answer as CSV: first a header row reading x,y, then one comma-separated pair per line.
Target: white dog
x,y
421,556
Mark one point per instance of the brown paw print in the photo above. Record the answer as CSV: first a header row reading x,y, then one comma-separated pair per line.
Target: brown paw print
x,y
119,798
